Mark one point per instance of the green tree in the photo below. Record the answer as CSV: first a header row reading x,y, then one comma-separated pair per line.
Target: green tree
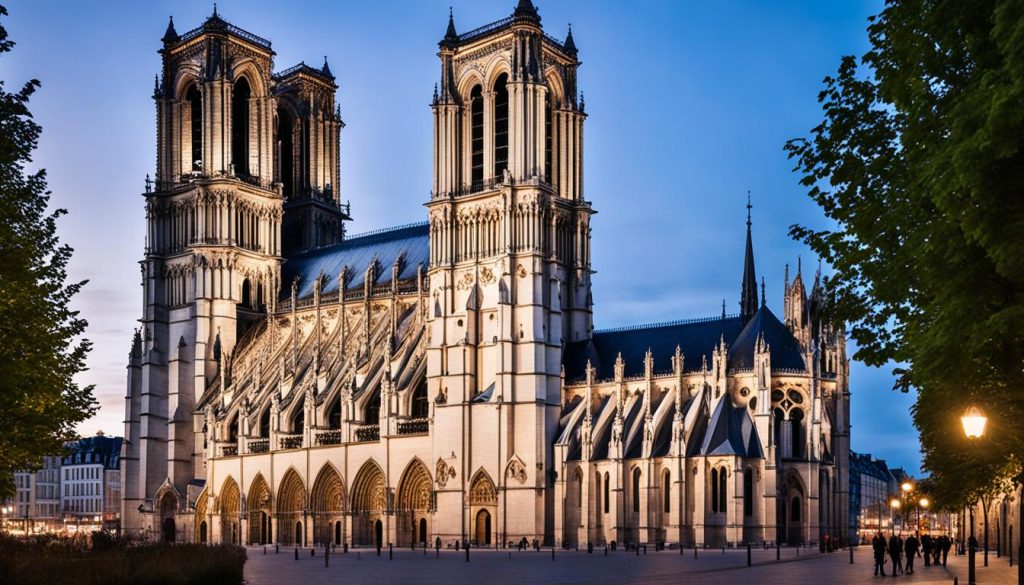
x,y
919,165
41,344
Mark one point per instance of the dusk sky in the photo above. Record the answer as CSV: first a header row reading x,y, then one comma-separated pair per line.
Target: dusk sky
x,y
689,106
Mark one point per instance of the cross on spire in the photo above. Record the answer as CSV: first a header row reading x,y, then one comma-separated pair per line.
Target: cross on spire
x,y
748,289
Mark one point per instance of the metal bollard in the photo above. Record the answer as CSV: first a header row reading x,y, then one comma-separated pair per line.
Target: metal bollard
x,y
312,552
296,553
327,554
552,553
391,554
851,555
606,550
748,554
778,551
695,550
277,549
467,552
264,550
645,550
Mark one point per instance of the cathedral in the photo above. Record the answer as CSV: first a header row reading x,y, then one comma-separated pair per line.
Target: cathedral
x,y
443,382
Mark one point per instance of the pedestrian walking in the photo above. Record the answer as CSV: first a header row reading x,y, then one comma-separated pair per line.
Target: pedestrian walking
x,y
896,554
878,547
912,547
926,548
947,543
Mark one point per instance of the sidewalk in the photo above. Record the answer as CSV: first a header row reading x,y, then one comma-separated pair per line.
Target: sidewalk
x,y
998,571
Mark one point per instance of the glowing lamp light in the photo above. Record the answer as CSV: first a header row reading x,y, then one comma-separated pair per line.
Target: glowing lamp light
x,y
974,421
924,502
895,504
907,486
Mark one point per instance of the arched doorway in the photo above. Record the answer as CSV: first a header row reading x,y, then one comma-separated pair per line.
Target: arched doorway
x,y
327,501
291,505
202,532
168,509
368,503
259,510
483,528
414,492
230,510
423,531
483,500
201,528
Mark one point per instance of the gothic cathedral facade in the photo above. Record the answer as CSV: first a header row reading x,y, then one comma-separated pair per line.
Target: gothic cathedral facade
x,y
442,381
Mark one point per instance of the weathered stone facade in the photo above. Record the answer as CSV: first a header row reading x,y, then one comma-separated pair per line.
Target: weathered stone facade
x,y
442,380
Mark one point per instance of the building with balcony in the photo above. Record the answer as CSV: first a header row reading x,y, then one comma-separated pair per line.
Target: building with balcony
x,y
292,383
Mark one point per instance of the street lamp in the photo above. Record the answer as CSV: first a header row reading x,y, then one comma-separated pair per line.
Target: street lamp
x,y
973,421
895,505
922,503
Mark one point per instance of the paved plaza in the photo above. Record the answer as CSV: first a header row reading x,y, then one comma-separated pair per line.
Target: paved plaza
x,y
489,567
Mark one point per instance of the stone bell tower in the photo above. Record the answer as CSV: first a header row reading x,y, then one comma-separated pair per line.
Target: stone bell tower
x,y
510,268
213,251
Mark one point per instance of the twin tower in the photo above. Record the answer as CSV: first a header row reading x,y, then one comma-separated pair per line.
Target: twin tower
x,y
247,181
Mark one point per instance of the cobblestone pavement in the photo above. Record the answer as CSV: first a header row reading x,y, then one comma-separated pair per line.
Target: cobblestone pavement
x,y
491,567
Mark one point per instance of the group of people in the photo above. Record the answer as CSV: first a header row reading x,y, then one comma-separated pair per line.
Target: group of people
x,y
931,548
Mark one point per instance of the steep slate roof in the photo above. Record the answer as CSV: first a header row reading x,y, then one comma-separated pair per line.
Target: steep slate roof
x,y
357,253
731,432
785,349
99,449
695,338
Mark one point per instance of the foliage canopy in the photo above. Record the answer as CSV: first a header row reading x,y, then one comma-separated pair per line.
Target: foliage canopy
x,y
919,164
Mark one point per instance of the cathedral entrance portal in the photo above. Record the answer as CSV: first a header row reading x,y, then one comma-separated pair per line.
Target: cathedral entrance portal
x,y
369,502
169,530
483,528
423,531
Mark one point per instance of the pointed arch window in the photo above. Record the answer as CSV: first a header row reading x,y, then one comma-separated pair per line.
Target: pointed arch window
x,y
636,490
285,152
714,491
195,101
748,492
420,405
265,424
299,422
722,487
240,95
500,126
606,492
476,137
373,409
666,491
798,435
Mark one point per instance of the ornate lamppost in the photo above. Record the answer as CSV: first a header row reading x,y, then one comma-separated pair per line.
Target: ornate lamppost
x,y
895,505
973,421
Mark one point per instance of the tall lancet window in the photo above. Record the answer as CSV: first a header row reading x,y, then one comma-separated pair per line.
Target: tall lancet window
x,y
195,101
285,152
476,125
240,126
500,126
548,151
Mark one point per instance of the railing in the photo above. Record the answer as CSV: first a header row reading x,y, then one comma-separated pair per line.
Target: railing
x,y
555,42
259,445
536,174
485,29
414,426
229,450
302,67
331,437
290,441
188,179
221,24
368,433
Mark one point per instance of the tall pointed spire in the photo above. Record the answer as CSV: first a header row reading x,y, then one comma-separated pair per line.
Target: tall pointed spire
x,y
748,291
570,44
170,35
526,9
450,35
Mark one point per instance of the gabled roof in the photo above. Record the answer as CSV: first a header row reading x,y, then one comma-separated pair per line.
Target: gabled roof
x,y
695,338
410,242
785,349
731,432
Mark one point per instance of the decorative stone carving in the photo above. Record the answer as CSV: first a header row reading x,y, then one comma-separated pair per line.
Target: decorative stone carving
x,y
486,276
465,281
443,473
516,469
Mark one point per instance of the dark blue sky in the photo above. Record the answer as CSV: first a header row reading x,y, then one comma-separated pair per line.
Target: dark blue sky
x,y
689,106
